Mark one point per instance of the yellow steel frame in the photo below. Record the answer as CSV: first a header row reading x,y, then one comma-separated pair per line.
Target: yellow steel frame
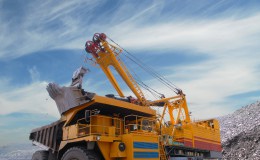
x,y
180,123
108,58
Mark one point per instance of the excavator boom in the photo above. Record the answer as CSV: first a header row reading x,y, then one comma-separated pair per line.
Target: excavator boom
x,y
106,55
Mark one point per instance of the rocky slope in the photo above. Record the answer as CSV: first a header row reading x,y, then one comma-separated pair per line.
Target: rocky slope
x,y
240,132
243,146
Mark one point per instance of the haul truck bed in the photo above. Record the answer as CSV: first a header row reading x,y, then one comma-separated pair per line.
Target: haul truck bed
x,y
49,136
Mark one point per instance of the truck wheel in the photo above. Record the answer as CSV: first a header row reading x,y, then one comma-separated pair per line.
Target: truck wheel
x,y
40,155
79,153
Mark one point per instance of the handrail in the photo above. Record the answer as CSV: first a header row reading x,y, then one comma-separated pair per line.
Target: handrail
x,y
96,129
136,125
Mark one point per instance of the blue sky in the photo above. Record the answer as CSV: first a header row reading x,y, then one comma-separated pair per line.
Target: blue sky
x,y
210,49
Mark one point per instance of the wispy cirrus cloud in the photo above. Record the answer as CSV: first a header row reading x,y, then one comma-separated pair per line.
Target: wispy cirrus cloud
x,y
218,30
232,67
67,25
34,73
32,98
40,25
220,36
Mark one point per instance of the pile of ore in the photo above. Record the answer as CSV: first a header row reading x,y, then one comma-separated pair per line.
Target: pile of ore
x,y
240,133
243,146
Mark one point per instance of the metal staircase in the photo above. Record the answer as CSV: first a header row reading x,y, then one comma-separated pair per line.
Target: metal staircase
x,y
162,151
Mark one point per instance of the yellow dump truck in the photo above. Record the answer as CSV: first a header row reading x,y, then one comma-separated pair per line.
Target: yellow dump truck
x,y
110,127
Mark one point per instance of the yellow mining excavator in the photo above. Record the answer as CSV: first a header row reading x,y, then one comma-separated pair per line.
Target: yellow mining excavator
x,y
110,127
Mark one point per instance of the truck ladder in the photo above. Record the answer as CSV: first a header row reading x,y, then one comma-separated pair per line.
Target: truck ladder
x,y
162,151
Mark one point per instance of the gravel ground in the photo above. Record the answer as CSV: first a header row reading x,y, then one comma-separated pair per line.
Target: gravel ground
x,y
240,133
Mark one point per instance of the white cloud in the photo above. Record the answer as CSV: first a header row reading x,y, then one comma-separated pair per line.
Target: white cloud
x,y
231,43
205,35
208,84
32,99
36,33
233,49
220,36
34,73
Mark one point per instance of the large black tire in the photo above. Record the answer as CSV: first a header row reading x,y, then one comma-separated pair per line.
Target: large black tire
x,y
79,153
40,155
